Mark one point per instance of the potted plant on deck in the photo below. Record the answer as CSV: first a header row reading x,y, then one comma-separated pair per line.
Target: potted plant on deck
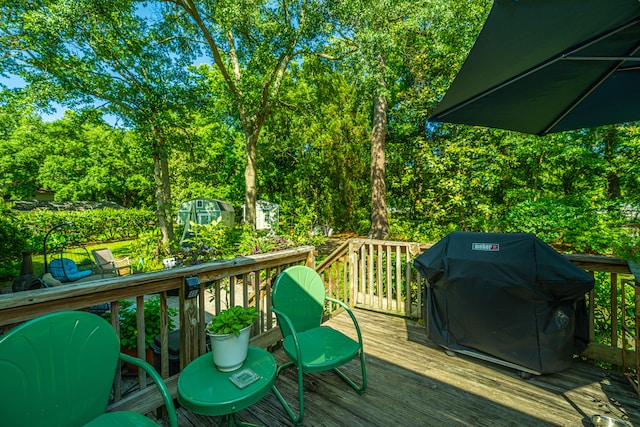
x,y
129,325
229,333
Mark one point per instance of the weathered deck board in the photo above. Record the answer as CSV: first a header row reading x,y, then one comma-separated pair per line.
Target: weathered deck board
x,y
412,382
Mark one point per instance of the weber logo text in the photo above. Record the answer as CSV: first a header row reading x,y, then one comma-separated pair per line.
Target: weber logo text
x,y
487,247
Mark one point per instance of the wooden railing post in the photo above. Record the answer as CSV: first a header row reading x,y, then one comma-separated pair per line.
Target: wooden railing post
x,y
353,275
189,329
164,336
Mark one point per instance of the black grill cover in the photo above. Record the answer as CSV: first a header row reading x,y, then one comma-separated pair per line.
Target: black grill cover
x,y
508,295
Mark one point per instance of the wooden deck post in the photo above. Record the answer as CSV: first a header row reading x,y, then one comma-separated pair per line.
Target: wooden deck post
x,y
189,329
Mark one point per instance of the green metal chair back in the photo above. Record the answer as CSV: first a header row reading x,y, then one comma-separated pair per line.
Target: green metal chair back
x,y
299,293
58,370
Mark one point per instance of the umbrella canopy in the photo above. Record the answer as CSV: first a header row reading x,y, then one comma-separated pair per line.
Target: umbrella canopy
x,y
542,66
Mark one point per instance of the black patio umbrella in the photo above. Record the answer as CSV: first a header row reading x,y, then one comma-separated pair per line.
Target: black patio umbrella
x,y
543,66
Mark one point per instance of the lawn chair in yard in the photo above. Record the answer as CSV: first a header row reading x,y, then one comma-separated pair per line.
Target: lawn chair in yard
x,y
107,263
58,370
66,270
69,260
299,301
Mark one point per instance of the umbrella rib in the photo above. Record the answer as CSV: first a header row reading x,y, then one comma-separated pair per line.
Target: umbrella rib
x,y
601,37
559,57
601,58
630,68
496,88
604,77
593,87
578,101
572,54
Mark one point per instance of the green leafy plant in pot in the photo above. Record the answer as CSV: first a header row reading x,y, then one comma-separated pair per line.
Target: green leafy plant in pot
x,y
229,332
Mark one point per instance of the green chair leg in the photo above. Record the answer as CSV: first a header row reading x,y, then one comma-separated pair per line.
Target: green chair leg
x,y
231,420
363,387
297,420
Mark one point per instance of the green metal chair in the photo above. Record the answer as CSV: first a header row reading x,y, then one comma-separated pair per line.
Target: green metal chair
x,y
58,370
298,300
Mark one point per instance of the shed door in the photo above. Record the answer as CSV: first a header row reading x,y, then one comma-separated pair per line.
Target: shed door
x,y
204,218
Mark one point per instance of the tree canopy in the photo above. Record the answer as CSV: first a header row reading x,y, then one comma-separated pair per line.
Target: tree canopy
x,y
280,100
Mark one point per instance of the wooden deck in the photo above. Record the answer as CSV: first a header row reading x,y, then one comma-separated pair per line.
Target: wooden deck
x,y
412,382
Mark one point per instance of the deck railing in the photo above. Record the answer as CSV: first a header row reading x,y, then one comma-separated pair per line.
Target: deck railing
x,y
379,275
371,274
631,331
376,275
239,281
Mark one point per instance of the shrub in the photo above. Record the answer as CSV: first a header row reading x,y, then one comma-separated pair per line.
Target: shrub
x,y
128,322
14,238
93,225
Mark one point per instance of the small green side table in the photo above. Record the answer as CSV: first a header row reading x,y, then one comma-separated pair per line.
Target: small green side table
x,y
205,390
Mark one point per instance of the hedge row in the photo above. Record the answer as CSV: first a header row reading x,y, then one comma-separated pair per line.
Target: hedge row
x,y
26,230
96,225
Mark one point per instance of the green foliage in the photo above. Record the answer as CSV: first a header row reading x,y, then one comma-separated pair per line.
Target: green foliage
x,y
93,225
149,250
252,242
317,149
232,320
79,158
300,218
603,317
128,321
206,243
14,237
22,152
404,229
571,223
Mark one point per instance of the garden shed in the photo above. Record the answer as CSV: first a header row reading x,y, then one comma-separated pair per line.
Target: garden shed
x,y
267,215
203,211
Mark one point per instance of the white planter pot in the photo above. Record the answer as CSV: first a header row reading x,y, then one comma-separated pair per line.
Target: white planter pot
x,y
230,351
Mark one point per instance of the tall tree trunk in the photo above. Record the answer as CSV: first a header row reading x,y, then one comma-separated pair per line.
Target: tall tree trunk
x,y
379,218
251,122
162,191
166,197
250,178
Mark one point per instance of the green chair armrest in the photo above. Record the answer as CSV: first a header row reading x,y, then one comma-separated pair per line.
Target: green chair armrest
x,y
353,317
157,379
293,335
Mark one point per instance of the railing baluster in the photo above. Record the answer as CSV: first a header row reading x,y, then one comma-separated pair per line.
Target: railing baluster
x,y
202,343
115,322
164,336
142,376
379,277
363,277
592,312
613,282
398,271
407,302
389,285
